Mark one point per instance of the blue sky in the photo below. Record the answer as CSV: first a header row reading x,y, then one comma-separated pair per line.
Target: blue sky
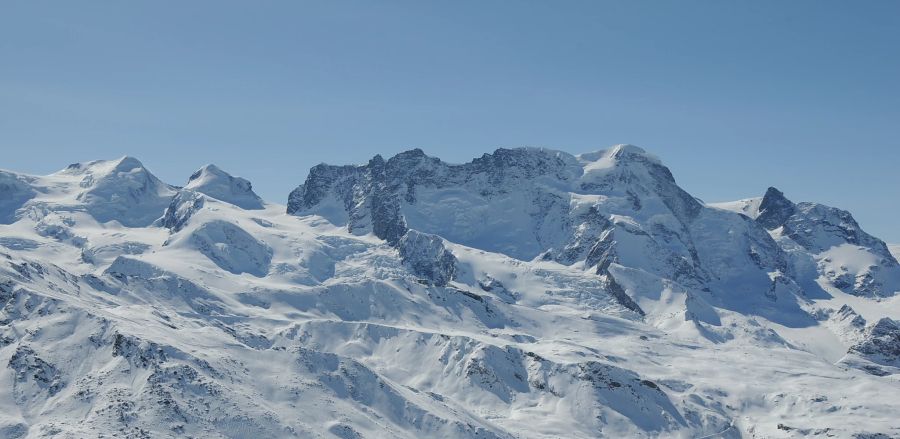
x,y
733,96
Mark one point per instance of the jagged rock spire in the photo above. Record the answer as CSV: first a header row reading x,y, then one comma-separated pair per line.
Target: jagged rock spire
x,y
774,209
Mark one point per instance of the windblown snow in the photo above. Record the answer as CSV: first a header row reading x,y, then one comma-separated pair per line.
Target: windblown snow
x,y
528,293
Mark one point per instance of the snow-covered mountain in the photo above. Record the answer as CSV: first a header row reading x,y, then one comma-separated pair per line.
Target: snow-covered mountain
x,y
825,241
528,293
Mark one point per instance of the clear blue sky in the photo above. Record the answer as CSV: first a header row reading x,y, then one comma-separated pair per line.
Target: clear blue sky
x,y
733,96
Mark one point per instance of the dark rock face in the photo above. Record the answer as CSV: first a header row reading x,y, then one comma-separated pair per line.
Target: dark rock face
x,y
620,295
387,222
603,253
881,344
183,206
30,368
849,315
139,353
322,179
426,256
775,209
363,192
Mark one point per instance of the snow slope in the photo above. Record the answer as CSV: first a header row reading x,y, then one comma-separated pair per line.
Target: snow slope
x,y
527,294
218,184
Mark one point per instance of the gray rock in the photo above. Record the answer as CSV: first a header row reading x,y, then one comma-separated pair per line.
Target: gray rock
x,y
426,256
183,206
774,209
30,368
881,343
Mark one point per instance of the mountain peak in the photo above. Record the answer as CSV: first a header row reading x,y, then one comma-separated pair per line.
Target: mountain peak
x,y
772,193
774,209
624,150
207,172
127,163
121,189
617,154
212,181
122,164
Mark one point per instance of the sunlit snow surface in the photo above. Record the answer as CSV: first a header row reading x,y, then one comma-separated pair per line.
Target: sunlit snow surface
x,y
228,317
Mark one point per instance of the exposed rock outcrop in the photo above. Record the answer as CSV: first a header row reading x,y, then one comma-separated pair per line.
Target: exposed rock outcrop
x,y
427,257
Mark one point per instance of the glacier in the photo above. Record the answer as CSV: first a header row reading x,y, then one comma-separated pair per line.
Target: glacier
x,y
529,293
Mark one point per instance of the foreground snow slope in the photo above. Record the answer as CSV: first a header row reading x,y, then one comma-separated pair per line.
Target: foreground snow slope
x,y
529,293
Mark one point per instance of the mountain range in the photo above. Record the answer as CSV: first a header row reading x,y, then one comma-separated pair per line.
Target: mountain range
x,y
529,293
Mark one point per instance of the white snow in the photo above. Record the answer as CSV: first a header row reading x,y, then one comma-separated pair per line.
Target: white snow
x,y
248,322
747,206
216,183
